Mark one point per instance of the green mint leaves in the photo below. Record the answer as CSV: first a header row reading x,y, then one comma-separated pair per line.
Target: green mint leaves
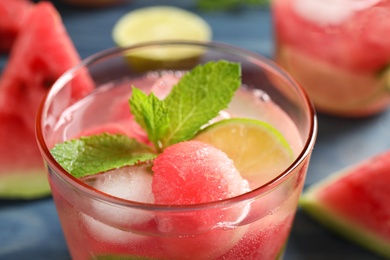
x,y
98,153
198,97
151,114
193,102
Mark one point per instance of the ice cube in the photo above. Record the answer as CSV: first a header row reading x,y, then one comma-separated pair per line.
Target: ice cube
x,y
103,232
163,86
330,12
130,183
324,12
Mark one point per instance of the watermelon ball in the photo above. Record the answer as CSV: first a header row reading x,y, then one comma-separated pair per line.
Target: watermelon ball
x,y
190,173
194,172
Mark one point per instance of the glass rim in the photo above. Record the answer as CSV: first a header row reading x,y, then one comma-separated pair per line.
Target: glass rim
x,y
89,191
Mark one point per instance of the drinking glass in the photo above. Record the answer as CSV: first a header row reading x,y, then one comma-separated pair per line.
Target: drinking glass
x,y
97,225
338,51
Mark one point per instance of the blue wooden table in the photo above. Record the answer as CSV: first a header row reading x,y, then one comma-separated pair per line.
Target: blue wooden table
x,y
31,230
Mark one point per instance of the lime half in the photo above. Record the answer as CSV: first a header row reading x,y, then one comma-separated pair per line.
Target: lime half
x,y
161,23
258,150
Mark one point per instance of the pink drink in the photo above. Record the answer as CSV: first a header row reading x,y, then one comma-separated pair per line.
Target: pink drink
x,y
338,51
254,225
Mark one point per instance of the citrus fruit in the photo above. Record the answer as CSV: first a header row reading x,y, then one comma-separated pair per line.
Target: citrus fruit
x,y
161,23
258,150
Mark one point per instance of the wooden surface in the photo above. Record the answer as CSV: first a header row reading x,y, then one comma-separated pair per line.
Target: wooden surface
x,y
31,230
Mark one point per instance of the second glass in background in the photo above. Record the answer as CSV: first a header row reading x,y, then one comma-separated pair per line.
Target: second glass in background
x,y
338,51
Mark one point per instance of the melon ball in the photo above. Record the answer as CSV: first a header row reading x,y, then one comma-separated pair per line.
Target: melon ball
x,y
194,172
190,173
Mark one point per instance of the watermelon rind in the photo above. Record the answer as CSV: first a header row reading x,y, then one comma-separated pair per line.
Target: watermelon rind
x,y
41,53
312,205
24,185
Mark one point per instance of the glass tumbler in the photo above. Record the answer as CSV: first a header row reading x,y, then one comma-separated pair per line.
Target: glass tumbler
x,y
338,51
97,225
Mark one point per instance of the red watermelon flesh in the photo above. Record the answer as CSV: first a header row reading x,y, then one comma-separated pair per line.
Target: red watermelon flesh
x,y
355,203
40,54
12,14
21,170
356,43
193,172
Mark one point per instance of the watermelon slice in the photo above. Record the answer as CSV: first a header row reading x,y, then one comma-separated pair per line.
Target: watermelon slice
x,y
355,203
12,14
40,54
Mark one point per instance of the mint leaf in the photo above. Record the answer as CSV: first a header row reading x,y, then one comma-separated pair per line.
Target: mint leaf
x,y
198,97
151,114
98,153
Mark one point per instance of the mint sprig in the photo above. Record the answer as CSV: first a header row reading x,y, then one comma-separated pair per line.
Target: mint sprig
x,y
98,153
151,114
198,97
193,102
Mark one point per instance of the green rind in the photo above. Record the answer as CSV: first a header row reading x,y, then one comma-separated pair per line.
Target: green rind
x,y
311,204
24,185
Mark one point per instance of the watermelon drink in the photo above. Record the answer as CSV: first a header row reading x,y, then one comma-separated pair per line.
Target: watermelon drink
x,y
337,51
227,191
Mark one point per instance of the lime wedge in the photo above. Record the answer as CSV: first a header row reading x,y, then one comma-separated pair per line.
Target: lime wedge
x,y
161,23
258,150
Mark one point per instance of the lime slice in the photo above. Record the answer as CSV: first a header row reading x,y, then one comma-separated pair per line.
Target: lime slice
x,y
258,150
160,23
